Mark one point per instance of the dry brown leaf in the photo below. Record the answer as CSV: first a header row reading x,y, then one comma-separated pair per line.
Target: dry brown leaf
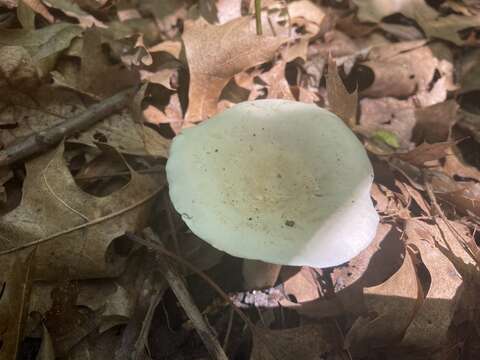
x,y
376,10
97,77
304,342
272,84
392,305
72,9
171,115
215,53
381,259
469,71
464,195
15,284
426,152
39,8
434,123
341,102
449,27
54,207
430,326
410,71
455,165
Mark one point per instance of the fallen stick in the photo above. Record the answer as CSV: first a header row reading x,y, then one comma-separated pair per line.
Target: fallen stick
x,y
45,139
177,284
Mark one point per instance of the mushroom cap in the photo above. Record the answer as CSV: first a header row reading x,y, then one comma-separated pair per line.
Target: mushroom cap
x,y
275,180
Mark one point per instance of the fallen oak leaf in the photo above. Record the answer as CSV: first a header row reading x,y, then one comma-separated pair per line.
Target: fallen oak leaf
x,y
72,229
215,53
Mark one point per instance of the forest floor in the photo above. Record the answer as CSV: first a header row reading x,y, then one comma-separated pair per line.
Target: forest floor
x,y
93,91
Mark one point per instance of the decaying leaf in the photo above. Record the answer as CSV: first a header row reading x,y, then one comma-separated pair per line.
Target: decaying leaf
x,y
84,226
215,53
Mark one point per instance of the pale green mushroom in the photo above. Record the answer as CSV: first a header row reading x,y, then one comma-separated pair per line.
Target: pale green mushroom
x,y
273,180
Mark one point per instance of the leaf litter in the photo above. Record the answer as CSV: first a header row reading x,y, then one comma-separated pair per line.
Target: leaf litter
x,y
403,75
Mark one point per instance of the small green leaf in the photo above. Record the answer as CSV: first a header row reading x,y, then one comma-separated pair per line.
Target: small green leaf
x,y
387,137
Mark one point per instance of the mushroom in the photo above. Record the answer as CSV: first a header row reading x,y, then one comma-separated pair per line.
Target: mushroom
x,y
279,181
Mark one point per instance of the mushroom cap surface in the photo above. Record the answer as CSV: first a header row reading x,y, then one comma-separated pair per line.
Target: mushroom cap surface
x,y
274,180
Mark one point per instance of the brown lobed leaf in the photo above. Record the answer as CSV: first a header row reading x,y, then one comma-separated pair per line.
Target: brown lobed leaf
x,y
215,53
79,227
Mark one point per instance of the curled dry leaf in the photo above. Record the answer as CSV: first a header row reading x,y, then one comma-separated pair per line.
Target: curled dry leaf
x,y
84,225
215,53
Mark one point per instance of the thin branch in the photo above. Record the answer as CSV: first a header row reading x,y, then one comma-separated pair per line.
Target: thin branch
x,y
176,282
43,140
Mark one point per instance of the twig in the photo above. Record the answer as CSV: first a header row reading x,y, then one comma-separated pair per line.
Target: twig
x,y
177,284
45,139
152,170
154,245
258,16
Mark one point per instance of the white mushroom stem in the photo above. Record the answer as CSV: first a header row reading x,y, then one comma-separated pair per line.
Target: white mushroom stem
x,y
258,274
